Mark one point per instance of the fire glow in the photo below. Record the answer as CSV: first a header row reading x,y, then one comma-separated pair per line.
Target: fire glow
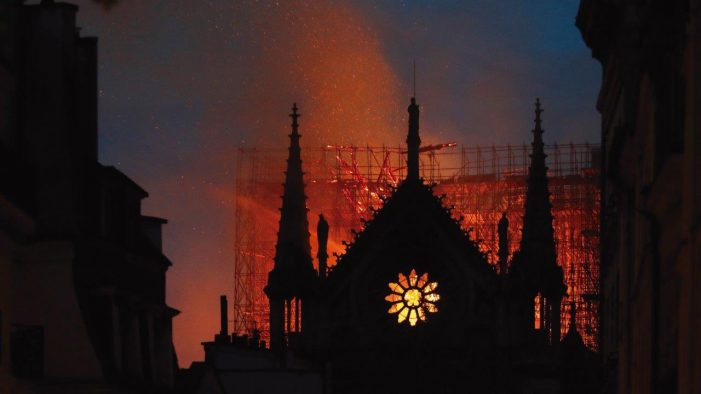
x,y
328,56
347,184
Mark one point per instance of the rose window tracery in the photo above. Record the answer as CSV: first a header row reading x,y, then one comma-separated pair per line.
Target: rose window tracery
x,y
413,297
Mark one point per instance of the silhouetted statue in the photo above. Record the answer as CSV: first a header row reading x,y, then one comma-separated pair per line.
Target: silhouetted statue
x,y
322,234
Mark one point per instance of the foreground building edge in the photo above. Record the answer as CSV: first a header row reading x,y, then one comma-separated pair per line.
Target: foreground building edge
x,y
82,273
650,54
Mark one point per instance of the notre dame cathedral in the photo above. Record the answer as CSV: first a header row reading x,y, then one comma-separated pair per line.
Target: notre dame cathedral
x,y
413,305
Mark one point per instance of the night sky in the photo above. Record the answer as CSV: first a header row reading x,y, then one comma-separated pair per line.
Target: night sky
x,y
183,83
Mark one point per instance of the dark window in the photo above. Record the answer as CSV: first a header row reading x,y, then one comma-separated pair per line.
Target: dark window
x,y
27,351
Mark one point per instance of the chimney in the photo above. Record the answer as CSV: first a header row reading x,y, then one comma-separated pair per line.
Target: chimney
x,y
223,336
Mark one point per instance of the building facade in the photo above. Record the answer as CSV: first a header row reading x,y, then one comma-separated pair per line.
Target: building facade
x,y
413,304
82,272
413,292
650,102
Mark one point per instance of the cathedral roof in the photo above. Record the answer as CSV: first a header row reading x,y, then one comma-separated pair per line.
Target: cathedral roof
x,y
412,211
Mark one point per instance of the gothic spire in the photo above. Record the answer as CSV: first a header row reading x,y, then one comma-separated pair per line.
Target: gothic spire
x,y
292,278
537,246
293,251
536,264
413,141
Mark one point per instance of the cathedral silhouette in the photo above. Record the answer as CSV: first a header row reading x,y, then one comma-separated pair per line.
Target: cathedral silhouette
x,y
413,305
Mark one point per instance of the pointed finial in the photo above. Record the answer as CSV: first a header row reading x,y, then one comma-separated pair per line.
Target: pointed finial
x,y
413,141
294,115
538,111
414,95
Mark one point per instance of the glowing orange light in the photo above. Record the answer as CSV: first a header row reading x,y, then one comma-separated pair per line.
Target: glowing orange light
x,y
538,302
411,297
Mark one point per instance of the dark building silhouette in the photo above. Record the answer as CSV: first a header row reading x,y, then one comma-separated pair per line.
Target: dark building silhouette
x,y
412,305
82,273
650,52
243,364
649,100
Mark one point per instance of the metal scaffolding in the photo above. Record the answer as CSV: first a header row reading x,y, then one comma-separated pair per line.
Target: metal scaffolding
x,y
342,182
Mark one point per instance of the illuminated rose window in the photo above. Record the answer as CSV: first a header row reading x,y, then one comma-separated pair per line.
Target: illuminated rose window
x,y
412,298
